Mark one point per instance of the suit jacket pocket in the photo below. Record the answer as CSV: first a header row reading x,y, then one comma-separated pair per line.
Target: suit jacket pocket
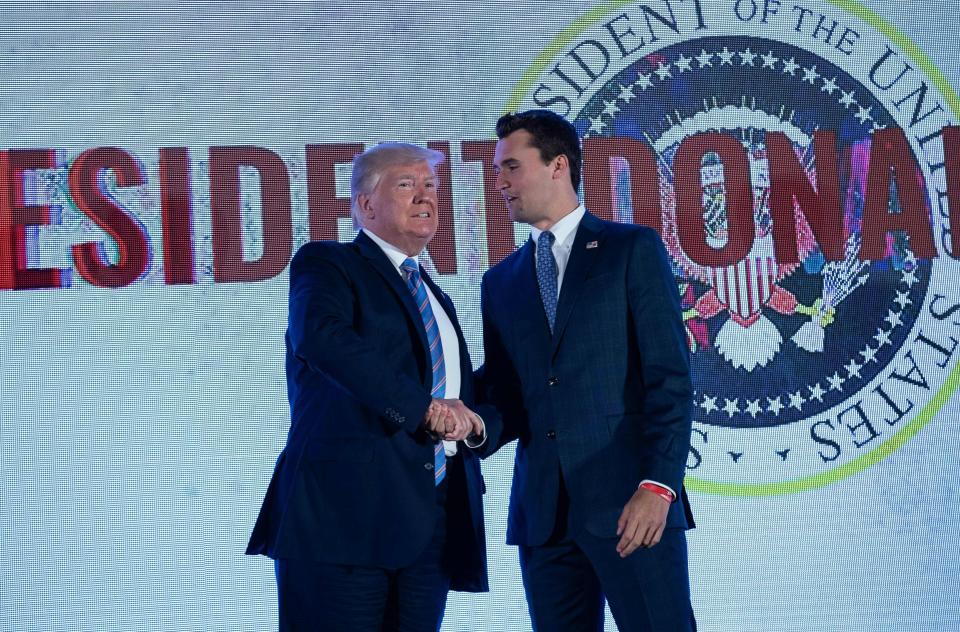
x,y
348,450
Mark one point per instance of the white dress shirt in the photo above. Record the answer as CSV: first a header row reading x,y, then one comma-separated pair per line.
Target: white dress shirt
x,y
449,344
564,232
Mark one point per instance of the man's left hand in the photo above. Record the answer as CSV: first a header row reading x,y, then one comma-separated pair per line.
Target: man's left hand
x,y
451,420
642,521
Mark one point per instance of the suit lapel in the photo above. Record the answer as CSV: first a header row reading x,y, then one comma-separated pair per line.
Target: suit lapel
x,y
372,252
580,262
444,301
524,297
451,312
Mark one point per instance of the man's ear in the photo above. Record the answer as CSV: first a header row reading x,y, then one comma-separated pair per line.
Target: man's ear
x,y
561,167
366,206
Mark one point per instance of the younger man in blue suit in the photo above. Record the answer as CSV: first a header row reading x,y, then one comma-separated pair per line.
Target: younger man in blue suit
x,y
586,360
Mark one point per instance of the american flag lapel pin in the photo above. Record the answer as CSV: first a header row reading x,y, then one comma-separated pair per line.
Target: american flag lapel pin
x,y
591,244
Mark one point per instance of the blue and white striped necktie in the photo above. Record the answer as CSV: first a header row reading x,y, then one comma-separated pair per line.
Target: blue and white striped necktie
x,y
419,292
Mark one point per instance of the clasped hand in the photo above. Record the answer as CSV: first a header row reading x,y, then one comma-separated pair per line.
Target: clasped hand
x,y
451,420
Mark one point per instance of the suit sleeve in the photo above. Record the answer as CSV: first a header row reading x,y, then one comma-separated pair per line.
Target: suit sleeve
x,y
321,334
654,305
498,383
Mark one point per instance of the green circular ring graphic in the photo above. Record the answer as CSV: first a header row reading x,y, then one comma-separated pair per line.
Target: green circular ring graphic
x,y
950,385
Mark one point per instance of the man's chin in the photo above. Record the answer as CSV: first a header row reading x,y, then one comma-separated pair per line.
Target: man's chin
x,y
425,239
425,231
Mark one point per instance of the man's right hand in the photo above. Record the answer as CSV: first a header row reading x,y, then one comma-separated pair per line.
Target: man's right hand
x,y
450,419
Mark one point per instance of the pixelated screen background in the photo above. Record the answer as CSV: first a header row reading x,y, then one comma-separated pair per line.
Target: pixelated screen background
x,y
162,161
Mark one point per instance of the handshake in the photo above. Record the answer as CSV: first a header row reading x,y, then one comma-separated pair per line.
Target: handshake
x,y
451,420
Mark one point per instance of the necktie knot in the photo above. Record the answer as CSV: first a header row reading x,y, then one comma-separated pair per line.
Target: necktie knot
x,y
410,267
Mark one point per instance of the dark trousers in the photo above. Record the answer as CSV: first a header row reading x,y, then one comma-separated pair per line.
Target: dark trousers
x,y
567,579
317,597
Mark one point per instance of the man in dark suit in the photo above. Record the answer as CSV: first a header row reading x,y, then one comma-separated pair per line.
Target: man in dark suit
x,y
374,511
586,360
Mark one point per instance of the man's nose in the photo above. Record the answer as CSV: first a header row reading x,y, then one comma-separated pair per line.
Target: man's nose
x,y
500,182
423,192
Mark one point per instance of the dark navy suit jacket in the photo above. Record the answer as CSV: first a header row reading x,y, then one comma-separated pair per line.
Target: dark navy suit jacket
x,y
355,483
606,400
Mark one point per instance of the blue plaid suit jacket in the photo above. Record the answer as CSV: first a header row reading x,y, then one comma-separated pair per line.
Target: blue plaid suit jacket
x,y
606,400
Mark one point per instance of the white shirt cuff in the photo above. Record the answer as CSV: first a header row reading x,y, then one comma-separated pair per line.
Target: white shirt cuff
x,y
472,440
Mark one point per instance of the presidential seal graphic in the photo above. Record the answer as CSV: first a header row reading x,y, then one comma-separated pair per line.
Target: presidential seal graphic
x,y
791,155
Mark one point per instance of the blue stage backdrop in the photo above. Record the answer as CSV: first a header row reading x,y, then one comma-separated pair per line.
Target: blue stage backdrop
x,y
162,161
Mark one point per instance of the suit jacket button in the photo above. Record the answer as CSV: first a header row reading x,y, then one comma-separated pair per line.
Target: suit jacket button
x,y
428,466
553,381
551,434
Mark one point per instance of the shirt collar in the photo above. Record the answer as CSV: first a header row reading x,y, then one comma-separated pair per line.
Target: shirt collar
x,y
563,229
394,254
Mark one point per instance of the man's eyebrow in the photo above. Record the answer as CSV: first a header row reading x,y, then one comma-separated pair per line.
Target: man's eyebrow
x,y
410,176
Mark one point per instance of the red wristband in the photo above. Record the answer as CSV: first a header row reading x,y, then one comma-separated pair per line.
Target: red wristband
x,y
659,490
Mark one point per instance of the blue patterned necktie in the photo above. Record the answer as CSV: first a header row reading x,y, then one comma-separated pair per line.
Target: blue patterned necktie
x,y
547,275
419,292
